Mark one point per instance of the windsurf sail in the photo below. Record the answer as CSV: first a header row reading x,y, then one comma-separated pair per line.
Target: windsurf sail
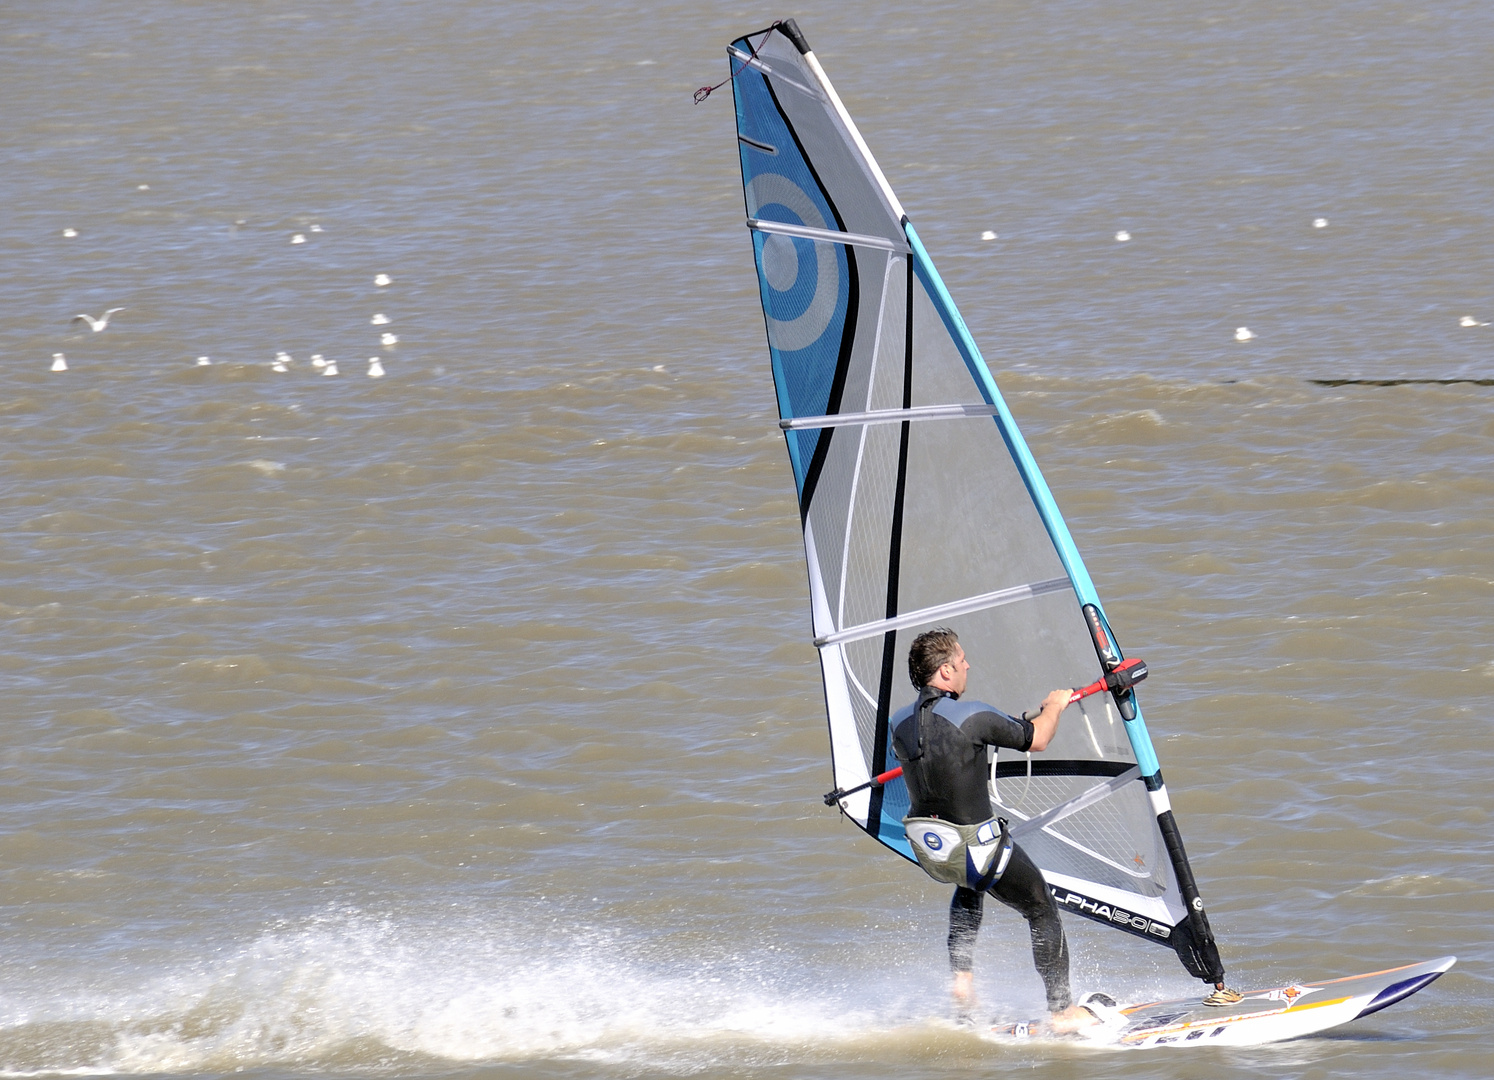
x,y
922,506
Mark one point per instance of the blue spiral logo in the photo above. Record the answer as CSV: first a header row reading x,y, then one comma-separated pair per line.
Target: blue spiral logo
x,y
795,265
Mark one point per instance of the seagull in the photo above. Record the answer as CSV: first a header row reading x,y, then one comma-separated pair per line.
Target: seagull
x,y
388,339
331,368
59,362
204,361
1319,223
382,279
316,228
1123,236
375,369
96,325
69,232
380,319
281,359
988,235
317,361
1243,333
298,238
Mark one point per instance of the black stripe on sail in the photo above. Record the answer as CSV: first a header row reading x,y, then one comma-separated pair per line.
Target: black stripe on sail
x,y
879,743
848,332
894,567
837,385
1010,769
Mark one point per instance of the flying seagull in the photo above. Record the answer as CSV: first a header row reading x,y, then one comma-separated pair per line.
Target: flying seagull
x,y
98,324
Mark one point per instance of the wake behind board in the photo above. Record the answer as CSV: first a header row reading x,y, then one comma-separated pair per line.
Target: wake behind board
x,y
1263,1016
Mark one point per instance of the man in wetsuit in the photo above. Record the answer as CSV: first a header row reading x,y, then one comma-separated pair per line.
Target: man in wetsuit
x,y
941,742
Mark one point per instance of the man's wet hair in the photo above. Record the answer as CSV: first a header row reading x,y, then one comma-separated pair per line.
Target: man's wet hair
x,y
930,650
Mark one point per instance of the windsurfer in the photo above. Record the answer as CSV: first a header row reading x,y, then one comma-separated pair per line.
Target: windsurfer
x,y
941,742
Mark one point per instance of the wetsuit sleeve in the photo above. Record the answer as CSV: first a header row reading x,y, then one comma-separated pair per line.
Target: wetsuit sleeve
x,y
998,729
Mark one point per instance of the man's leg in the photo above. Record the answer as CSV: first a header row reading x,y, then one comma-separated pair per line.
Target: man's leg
x,y
1023,889
965,911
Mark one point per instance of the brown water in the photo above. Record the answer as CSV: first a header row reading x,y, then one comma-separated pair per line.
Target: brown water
x,y
464,722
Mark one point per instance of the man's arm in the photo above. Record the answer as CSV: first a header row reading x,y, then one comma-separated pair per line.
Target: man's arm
x,y
1045,724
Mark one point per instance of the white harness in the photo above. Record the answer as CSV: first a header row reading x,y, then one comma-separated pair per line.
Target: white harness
x,y
974,856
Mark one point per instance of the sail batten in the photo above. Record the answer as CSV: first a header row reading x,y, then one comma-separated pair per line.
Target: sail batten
x,y
930,615
826,235
888,416
910,523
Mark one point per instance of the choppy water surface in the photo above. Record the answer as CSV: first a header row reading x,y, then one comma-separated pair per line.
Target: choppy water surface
x,y
464,721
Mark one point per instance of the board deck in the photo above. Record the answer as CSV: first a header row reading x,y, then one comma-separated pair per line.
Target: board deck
x,y
1263,1016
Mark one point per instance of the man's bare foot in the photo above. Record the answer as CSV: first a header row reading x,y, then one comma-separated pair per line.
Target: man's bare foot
x,y
963,992
1074,1018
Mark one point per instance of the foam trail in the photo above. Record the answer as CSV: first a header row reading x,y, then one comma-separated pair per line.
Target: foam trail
x,y
349,990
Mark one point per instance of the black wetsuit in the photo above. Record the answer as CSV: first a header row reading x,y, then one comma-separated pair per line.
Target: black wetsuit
x,y
947,776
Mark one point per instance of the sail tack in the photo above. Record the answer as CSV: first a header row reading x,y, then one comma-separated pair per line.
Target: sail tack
x,y
921,505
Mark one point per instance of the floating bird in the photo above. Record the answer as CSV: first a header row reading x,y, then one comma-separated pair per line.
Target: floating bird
x,y
1469,320
69,232
298,238
59,362
317,361
380,319
988,235
143,187
204,361
388,339
1319,223
1243,333
382,279
375,369
281,360
96,325
1123,236
331,368
316,228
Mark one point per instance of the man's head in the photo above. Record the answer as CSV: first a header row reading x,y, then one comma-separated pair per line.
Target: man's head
x,y
936,659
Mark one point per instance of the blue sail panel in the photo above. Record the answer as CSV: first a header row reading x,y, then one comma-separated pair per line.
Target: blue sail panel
x,y
805,284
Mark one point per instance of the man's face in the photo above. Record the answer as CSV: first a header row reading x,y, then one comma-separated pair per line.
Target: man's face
x,y
956,670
